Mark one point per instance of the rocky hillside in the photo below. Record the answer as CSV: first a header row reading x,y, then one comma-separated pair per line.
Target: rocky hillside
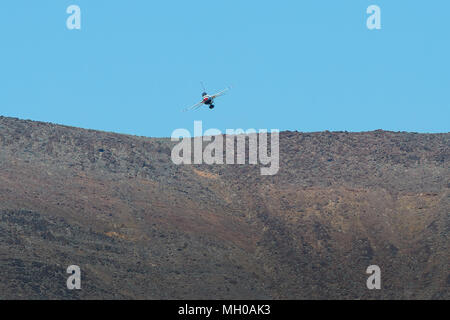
x,y
141,227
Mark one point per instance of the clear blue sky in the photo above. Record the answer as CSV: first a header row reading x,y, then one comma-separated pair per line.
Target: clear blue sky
x,y
294,65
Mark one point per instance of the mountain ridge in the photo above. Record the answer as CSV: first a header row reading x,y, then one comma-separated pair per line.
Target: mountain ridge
x,y
140,226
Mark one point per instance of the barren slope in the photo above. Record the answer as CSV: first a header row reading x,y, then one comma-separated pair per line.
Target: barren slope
x,y
141,227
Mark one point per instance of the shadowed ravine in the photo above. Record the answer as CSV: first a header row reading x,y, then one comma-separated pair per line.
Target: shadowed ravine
x,y
141,227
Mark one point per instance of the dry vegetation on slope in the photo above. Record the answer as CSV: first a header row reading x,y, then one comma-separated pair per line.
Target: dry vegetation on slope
x,y
141,227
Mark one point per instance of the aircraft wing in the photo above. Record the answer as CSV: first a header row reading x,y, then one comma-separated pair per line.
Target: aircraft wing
x,y
218,94
195,106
